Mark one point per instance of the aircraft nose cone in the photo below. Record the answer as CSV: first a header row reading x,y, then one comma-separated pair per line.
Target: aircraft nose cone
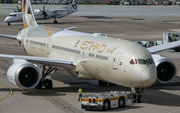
x,y
6,19
148,77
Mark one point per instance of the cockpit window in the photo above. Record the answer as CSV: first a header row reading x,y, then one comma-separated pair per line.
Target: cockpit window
x,y
149,61
133,61
152,60
146,61
142,61
12,15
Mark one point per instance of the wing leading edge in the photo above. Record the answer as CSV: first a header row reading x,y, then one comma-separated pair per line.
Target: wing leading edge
x,y
14,37
40,60
163,47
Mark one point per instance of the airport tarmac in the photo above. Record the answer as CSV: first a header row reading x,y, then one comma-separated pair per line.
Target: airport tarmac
x,y
136,25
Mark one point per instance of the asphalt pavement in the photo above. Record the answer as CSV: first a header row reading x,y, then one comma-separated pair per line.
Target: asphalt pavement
x,y
135,23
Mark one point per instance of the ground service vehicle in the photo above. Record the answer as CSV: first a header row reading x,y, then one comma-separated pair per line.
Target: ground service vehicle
x,y
108,100
110,2
171,37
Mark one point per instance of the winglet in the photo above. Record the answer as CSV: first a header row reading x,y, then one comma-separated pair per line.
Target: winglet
x,y
27,14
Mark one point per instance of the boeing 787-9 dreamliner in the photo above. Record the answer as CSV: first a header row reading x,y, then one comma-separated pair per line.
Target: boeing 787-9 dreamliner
x,y
83,55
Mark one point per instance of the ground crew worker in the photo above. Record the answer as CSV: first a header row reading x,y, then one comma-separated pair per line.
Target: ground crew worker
x,y
80,94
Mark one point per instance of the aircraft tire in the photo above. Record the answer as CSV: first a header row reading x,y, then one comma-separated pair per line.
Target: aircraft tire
x,y
55,22
177,49
121,102
140,99
99,82
39,86
106,105
104,83
48,84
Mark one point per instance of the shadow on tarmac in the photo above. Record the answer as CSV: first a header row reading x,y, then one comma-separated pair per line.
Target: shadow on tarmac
x,y
157,94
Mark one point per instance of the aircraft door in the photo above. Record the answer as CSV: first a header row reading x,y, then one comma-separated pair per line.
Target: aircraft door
x,y
49,46
84,53
116,61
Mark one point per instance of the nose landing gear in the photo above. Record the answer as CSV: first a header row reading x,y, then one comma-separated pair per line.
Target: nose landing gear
x,y
137,97
55,21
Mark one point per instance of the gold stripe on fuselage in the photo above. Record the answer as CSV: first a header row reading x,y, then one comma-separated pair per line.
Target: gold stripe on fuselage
x,y
50,30
25,25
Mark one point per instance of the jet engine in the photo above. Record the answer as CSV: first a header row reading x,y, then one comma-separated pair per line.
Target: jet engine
x,y
24,75
166,69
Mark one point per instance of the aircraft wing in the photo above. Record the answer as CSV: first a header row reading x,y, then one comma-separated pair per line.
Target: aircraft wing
x,y
10,8
14,37
163,47
60,10
55,11
41,60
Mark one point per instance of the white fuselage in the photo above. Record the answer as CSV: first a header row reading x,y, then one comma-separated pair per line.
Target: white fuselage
x,y
17,16
99,57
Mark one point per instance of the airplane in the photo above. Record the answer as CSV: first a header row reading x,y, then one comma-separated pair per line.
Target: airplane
x,y
83,55
41,14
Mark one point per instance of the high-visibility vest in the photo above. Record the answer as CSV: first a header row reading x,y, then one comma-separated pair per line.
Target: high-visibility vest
x,y
80,91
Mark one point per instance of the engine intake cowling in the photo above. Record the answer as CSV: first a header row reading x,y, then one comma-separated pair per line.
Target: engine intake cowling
x,y
166,69
23,75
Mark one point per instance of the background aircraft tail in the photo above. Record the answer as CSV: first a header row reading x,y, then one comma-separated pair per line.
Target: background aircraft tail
x,y
27,14
73,5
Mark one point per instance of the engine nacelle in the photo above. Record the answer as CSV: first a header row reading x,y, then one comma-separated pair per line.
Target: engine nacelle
x,y
166,69
23,75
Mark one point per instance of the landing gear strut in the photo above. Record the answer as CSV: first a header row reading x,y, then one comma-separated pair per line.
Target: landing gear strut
x,y
137,97
9,23
45,82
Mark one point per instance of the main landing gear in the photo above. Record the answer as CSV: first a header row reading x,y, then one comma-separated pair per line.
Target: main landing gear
x,y
103,83
45,82
137,97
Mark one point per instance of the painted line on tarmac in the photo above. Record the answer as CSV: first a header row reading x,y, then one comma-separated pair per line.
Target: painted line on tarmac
x,y
161,96
175,111
10,92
